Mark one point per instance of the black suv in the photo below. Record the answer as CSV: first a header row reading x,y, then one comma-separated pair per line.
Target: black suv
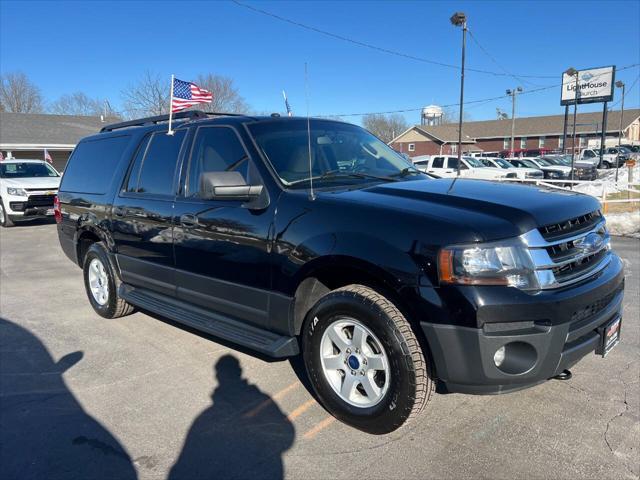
x,y
293,236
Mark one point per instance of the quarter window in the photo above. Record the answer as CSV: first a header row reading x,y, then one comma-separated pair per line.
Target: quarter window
x,y
216,149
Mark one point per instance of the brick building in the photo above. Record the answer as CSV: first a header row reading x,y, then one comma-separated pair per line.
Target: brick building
x,y
530,132
26,135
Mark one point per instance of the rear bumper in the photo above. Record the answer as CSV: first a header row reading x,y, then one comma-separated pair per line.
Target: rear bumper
x,y
543,334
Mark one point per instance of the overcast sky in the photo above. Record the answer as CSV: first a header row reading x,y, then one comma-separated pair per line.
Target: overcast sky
x,y
101,47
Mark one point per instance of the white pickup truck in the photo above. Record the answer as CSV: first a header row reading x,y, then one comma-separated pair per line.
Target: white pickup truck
x,y
27,190
609,159
447,166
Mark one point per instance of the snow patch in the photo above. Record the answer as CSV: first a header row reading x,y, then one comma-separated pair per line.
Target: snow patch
x,y
624,224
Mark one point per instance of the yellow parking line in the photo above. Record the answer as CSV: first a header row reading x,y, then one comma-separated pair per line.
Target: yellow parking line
x,y
276,396
318,427
301,409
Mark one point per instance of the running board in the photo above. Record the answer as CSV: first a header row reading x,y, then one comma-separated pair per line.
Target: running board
x,y
235,331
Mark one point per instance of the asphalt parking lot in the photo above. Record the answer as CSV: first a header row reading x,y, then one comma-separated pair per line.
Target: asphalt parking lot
x,y
139,397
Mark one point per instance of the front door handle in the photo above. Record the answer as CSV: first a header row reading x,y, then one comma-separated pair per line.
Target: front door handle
x,y
189,220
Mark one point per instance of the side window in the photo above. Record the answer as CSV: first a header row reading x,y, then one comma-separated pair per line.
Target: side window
x,y
93,164
216,149
158,165
438,162
452,163
589,154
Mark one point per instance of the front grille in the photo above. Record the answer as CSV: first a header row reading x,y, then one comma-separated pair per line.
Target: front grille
x,y
570,227
571,251
40,189
576,268
40,201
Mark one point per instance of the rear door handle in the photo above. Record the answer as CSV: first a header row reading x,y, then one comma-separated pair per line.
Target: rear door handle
x,y
189,220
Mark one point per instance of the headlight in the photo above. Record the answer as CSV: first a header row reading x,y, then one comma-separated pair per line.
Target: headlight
x,y
17,192
501,263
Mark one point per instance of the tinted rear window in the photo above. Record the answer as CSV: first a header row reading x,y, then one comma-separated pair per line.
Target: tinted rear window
x,y
93,164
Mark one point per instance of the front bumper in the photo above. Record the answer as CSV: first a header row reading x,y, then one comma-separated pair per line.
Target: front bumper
x,y
545,333
33,206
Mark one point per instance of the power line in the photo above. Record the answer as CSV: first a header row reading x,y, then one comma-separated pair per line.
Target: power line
x,y
498,64
627,91
376,47
472,102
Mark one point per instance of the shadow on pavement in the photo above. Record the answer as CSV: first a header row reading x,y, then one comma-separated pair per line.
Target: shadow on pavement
x,y
243,434
44,431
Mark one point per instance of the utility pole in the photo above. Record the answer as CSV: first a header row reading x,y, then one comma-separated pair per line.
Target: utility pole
x,y
459,19
621,85
572,72
603,133
564,130
513,94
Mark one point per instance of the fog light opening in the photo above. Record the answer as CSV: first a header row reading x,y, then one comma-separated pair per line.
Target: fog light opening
x,y
498,357
515,358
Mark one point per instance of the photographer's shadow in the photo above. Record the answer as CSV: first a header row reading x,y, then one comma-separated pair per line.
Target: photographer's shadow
x,y
44,431
243,434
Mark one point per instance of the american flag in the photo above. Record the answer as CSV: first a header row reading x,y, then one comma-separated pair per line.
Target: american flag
x,y
187,94
47,157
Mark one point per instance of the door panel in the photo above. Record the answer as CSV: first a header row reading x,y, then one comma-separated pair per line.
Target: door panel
x,y
223,258
222,247
142,231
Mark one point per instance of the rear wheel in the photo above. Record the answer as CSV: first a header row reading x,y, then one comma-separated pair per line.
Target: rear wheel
x,y
5,221
606,165
364,361
101,283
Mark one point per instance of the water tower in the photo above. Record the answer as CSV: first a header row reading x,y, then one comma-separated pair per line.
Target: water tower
x,y
431,115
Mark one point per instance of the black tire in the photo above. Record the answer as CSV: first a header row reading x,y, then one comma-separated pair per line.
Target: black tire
x,y
606,165
114,306
5,221
411,383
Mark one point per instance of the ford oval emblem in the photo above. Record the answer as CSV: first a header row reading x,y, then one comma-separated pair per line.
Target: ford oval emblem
x,y
591,243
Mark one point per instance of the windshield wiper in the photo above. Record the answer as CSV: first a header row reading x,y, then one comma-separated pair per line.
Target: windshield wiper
x,y
337,174
407,171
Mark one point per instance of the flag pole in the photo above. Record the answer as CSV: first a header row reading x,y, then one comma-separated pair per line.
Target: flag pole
x,y
171,132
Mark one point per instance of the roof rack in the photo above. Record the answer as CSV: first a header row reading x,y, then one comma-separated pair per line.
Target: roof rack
x,y
188,115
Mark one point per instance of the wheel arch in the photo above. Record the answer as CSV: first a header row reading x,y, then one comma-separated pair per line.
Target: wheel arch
x,y
326,274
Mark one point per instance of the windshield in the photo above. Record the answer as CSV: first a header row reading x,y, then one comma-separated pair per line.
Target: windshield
x,y
474,162
544,162
503,163
528,163
556,160
339,152
26,170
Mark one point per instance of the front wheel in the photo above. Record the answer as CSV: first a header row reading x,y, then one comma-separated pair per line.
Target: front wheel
x,y
606,165
364,361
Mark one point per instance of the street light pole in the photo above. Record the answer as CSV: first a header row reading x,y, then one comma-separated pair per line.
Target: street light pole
x,y
621,85
572,72
459,19
513,94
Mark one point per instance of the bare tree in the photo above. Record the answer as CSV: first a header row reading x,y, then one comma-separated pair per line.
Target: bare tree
x,y
226,97
452,115
385,127
79,103
149,96
18,94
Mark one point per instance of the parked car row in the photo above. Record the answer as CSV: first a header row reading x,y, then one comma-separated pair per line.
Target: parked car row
x,y
550,167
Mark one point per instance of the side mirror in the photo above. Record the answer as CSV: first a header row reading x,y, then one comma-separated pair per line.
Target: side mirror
x,y
227,186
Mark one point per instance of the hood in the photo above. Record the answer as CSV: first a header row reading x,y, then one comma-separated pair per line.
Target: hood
x,y
557,168
45,183
488,210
